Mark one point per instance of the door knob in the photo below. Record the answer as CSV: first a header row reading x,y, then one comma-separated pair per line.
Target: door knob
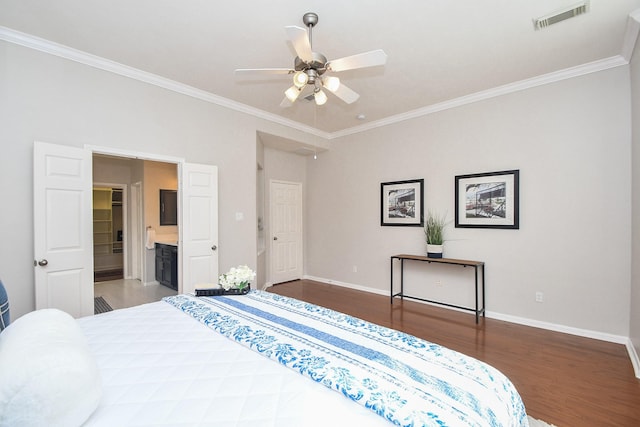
x,y
275,238
43,262
214,247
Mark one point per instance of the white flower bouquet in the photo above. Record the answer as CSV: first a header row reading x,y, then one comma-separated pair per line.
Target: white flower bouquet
x,y
236,278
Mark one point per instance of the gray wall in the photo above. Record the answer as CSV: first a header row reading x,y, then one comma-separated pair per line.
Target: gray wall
x,y
571,142
50,99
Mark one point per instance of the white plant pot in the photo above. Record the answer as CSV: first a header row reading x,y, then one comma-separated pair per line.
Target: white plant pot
x,y
434,251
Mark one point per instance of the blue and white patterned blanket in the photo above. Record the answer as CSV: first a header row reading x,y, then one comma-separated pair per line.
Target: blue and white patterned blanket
x,y
408,381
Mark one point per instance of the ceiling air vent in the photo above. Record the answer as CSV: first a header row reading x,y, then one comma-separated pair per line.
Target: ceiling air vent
x,y
561,15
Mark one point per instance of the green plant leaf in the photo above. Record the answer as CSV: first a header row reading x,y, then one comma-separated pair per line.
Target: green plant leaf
x,y
434,228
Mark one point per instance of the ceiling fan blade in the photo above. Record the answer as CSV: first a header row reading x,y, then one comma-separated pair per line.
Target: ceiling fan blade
x,y
249,72
300,41
361,60
345,93
286,103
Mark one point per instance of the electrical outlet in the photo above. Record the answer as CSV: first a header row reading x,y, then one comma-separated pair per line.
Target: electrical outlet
x,y
539,297
355,269
438,283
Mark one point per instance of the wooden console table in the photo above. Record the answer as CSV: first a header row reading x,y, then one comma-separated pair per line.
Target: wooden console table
x,y
477,265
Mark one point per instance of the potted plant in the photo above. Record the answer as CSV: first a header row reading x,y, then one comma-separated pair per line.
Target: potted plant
x,y
434,232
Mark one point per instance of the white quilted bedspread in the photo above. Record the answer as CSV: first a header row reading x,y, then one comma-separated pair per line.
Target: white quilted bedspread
x,y
162,368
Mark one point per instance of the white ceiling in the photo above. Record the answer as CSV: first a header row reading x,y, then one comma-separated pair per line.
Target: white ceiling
x,y
438,50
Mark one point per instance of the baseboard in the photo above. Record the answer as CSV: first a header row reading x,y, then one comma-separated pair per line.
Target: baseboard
x,y
346,285
586,333
618,339
633,355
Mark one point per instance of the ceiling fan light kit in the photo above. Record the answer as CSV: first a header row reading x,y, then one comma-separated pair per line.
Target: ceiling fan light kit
x,y
292,93
331,83
320,97
309,67
300,79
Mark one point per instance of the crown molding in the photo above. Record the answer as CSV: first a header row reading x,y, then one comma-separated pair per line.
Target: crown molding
x,y
541,80
30,41
46,46
631,34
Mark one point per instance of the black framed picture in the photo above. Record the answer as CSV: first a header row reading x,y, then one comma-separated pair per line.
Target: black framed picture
x,y
402,203
488,200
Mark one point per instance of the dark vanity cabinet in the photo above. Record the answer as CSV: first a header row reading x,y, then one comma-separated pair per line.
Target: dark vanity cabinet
x,y
167,265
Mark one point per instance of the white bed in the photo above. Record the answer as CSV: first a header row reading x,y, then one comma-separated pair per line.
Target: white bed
x,y
187,362
160,367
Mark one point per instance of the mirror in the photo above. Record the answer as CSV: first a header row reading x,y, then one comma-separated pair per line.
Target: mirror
x,y
168,207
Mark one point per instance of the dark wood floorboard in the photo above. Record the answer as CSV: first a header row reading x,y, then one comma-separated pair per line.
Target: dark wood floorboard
x,y
563,379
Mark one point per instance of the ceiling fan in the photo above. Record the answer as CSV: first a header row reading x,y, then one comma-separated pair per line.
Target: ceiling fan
x,y
310,67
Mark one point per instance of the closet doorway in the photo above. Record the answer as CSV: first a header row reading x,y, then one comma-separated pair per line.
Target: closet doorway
x,y
108,232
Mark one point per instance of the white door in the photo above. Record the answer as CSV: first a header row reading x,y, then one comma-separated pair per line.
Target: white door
x,y
199,217
286,231
63,241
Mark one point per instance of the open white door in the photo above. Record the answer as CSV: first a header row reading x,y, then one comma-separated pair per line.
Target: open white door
x,y
199,217
63,241
286,231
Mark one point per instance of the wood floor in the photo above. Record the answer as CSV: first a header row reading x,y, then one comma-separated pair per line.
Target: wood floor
x,y
564,380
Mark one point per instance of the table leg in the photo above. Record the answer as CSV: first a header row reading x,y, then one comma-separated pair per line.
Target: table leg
x,y
484,307
391,286
402,279
476,272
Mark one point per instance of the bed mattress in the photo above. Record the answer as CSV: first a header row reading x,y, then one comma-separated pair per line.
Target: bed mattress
x,y
266,360
162,368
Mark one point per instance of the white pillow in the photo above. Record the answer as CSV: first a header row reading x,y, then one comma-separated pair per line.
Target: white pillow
x,y
48,375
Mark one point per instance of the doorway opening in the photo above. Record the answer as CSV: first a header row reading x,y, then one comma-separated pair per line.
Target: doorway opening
x,y
108,233
126,207
63,222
